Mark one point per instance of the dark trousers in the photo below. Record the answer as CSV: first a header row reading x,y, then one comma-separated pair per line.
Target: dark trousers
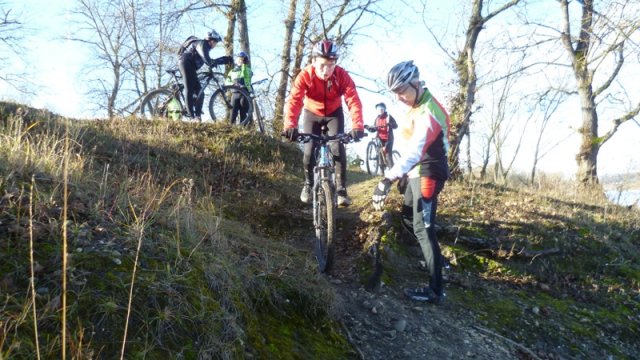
x,y
419,216
192,85
312,123
240,105
388,153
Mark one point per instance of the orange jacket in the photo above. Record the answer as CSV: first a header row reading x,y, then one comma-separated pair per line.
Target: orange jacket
x,y
323,97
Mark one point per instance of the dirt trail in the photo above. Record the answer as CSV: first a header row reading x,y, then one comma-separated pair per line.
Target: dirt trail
x,y
383,324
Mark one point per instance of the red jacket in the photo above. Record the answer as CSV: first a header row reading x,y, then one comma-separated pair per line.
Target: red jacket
x,y
323,97
385,124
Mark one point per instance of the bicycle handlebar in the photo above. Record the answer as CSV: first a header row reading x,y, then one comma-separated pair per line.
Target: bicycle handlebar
x,y
374,128
259,82
305,138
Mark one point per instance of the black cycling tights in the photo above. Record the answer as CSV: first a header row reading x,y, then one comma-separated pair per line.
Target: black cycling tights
x,y
312,123
191,86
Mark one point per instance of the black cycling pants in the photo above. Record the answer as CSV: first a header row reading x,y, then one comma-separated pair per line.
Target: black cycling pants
x,y
240,105
312,123
191,85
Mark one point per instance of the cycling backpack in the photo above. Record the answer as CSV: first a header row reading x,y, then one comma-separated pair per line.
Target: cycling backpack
x,y
185,45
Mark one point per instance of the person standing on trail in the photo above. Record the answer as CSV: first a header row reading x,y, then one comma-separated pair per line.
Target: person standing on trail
x,y
384,124
192,55
240,76
320,87
424,168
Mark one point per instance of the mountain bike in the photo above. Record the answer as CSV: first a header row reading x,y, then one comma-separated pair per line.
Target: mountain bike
x,y
376,158
168,102
324,194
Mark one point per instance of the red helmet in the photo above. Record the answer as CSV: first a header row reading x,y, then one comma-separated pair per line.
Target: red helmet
x,y
326,49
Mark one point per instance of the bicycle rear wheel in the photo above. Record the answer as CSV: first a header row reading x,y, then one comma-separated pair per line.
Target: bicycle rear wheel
x,y
161,104
324,222
221,105
372,160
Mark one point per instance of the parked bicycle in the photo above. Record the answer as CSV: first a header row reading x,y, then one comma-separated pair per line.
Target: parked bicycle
x,y
376,155
324,194
258,117
168,102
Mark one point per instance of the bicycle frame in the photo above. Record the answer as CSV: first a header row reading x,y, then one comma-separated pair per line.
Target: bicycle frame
x,y
324,171
205,78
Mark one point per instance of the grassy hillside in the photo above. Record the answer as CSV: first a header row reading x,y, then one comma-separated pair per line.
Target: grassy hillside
x,y
178,239
191,214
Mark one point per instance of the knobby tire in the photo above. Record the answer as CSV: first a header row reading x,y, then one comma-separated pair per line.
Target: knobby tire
x,y
220,106
372,159
154,105
324,220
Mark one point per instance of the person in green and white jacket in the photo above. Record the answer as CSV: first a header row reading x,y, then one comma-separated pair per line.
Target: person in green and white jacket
x,y
240,75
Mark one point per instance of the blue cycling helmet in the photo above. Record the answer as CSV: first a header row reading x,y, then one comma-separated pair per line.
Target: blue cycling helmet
x,y
381,106
243,55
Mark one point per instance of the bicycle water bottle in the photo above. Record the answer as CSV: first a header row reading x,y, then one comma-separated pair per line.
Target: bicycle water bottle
x,y
173,109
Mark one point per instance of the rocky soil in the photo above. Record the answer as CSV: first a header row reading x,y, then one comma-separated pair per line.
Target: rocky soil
x,y
382,323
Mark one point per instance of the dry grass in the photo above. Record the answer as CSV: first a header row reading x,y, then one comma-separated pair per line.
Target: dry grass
x,y
179,243
150,254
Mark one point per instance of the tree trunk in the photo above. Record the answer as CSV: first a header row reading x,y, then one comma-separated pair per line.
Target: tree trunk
x,y
243,27
464,99
231,26
304,27
587,157
285,59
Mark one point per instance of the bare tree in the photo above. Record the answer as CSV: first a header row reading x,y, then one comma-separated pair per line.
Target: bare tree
x,y
10,29
465,66
548,103
243,26
603,37
337,20
285,60
151,32
105,31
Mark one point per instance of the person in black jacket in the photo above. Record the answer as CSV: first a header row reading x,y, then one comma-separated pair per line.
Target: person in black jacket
x,y
193,54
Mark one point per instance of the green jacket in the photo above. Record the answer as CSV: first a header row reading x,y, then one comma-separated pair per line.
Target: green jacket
x,y
240,75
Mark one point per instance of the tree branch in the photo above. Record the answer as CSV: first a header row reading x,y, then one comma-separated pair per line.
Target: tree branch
x,y
619,49
617,122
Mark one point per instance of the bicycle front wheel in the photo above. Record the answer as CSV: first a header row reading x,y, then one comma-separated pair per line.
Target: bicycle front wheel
x,y
257,115
324,222
161,104
221,105
372,159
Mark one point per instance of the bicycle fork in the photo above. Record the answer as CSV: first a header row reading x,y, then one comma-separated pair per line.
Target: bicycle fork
x,y
323,173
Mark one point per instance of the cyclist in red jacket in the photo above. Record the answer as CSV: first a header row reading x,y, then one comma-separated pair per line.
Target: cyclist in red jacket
x,y
384,124
319,89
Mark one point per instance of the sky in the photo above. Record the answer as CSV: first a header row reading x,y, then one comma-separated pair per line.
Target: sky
x,y
58,71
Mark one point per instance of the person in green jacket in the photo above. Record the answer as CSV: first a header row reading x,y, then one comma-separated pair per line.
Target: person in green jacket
x,y
240,75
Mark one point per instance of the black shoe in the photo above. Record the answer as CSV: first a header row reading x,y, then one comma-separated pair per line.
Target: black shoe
x,y
424,294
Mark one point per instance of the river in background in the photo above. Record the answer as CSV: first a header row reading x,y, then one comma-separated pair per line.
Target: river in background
x,y
625,197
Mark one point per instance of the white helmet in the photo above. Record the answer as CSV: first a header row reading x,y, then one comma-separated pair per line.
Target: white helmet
x,y
401,75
